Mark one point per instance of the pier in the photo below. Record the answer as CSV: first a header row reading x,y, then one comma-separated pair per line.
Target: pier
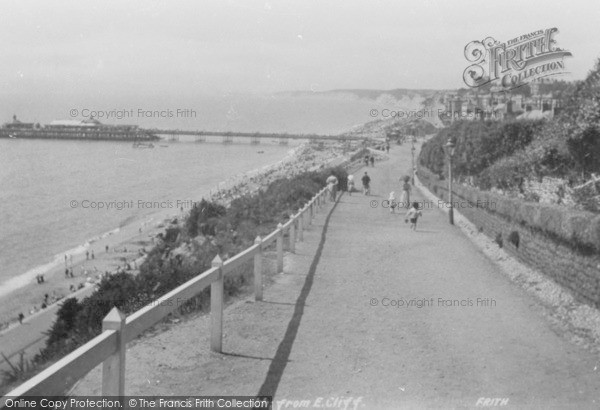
x,y
86,131
227,137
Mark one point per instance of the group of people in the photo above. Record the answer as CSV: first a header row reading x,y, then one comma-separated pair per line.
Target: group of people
x,y
332,185
413,213
369,159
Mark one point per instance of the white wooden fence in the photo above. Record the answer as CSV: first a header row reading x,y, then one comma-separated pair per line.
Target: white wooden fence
x,y
117,330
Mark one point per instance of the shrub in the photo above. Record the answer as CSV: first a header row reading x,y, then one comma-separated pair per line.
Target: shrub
x,y
226,231
584,147
514,238
499,240
478,144
201,214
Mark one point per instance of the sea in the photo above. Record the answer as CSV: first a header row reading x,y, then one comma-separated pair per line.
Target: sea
x,y
48,189
56,196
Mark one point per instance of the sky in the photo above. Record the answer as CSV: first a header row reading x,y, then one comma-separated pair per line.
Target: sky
x,y
60,54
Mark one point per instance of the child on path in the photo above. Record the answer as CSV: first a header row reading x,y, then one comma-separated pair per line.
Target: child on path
x,y
413,215
392,202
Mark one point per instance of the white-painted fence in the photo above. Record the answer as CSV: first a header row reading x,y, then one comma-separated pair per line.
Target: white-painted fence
x,y
117,330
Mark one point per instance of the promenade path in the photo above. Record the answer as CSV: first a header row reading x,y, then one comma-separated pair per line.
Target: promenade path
x,y
324,335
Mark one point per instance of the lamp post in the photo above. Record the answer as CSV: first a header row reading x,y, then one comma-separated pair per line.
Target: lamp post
x,y
449,148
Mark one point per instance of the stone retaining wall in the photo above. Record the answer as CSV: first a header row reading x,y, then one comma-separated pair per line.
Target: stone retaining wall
x,y
562,243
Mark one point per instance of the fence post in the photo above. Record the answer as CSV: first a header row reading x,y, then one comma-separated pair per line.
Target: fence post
x,y
292,237
258,289
113,368
216,308
279,248
310,212
300,226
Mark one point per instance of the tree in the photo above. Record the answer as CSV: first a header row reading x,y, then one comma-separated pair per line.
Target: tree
x,y
585,149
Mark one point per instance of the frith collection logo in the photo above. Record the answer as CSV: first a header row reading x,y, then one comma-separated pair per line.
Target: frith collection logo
x,y
516,62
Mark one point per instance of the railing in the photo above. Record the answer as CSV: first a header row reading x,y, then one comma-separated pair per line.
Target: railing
x,y
117,330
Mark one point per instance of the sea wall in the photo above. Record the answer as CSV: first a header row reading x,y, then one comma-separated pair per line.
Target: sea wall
x,y
562,243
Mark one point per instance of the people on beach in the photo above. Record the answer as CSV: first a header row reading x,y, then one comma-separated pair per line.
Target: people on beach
x,y
405,197
366,181
387,148
413,215
21,317
39,278
366,160
372,160
106,248
93,254
332,183
350,184
87,255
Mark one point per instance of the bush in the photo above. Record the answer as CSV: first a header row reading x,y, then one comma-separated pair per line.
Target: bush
x,y
478,145
514,238
226,231
202,217
584,147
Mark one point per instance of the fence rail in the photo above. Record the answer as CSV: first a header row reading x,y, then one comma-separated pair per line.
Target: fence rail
x,y
117,330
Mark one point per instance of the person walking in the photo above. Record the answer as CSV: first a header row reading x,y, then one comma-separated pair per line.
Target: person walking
x,y
372,159
366,181
332,183
405,196
350,184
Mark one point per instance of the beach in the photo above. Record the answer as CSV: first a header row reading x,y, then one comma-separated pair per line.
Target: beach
x,y
130,242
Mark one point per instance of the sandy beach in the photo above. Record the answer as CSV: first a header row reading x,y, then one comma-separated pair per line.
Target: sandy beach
x,y
130,242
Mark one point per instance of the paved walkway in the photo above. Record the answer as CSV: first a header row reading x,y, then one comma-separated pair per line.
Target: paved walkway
x,y
327,329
